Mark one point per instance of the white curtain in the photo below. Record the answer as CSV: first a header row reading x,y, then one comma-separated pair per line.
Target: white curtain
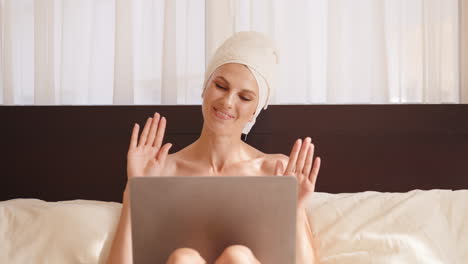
x,y
360,51
154,51
102,51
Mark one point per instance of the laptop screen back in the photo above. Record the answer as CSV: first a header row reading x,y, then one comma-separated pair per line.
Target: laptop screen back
x,y
211,213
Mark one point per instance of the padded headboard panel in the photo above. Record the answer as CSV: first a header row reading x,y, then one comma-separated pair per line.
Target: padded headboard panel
x,y
79,152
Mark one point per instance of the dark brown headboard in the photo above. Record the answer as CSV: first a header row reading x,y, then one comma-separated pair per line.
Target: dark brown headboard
x,y
78,152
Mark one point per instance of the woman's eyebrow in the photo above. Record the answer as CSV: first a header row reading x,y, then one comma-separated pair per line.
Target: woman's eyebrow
x,y
250,92
243,90
224,79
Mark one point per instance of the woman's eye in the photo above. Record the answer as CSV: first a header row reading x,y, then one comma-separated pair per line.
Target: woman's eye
x,y
244,98
221,87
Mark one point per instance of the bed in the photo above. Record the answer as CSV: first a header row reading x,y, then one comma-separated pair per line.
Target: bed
x,y
392,186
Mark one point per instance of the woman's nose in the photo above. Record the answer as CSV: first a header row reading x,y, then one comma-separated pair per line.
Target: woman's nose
x,y
228,99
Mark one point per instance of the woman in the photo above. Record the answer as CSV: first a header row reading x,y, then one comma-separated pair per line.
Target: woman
x,y
237,85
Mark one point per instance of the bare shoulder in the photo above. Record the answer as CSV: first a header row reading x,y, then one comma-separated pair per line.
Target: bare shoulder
x,y
179,155
173,162
270,161
180,163
267,161
274,158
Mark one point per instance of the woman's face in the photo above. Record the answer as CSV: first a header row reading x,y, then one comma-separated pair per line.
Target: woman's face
x,y
230,99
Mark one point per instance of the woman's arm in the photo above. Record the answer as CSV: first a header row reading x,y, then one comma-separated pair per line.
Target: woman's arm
x,y
145,157
121,250
300,164
305,251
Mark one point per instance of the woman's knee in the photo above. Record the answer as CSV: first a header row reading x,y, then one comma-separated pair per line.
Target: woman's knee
x,y
237,254
185,256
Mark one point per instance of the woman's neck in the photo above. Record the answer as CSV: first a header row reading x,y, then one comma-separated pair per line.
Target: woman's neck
x,y
219,151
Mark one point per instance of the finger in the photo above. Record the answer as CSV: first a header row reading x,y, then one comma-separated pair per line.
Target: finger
x,y
160,134
144,134
291,168
154,128
162,155
308,162
134,138
279,168
315,170
302,156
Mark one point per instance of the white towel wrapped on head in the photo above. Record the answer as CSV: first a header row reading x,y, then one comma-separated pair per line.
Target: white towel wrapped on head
x,y
256,51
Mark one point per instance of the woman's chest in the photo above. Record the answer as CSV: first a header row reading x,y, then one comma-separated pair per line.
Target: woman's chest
x,y
243,169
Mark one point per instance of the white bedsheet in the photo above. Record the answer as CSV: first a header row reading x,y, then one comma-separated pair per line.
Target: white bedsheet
x,y
416,227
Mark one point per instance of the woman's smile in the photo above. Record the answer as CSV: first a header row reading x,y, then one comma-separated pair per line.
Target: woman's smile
x,y
222,115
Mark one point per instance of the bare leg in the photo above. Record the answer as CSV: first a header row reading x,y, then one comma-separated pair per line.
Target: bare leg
x,y
185,256
237,254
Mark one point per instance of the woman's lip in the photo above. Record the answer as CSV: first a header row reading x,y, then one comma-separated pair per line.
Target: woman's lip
x,y
222,116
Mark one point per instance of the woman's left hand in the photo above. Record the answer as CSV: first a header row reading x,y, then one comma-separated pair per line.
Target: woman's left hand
x,y
300,166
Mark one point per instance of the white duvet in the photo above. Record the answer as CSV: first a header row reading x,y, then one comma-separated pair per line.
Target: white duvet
x,y
416,227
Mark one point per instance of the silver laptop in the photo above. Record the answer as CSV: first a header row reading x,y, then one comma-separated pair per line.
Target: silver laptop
x,y
211,213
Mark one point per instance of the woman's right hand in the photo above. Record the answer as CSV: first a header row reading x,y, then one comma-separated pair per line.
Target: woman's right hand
x,y
145,155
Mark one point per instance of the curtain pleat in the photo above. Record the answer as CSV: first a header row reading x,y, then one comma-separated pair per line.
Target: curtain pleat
x,y
124,56
154,51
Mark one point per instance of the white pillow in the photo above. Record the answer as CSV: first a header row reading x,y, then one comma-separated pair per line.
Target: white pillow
x,y
34,231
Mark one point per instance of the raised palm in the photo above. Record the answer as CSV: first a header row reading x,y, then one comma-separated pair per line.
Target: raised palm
x,y
145,155
300,166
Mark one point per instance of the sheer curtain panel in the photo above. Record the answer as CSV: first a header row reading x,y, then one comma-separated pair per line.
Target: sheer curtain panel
x,y
155,51
101,51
